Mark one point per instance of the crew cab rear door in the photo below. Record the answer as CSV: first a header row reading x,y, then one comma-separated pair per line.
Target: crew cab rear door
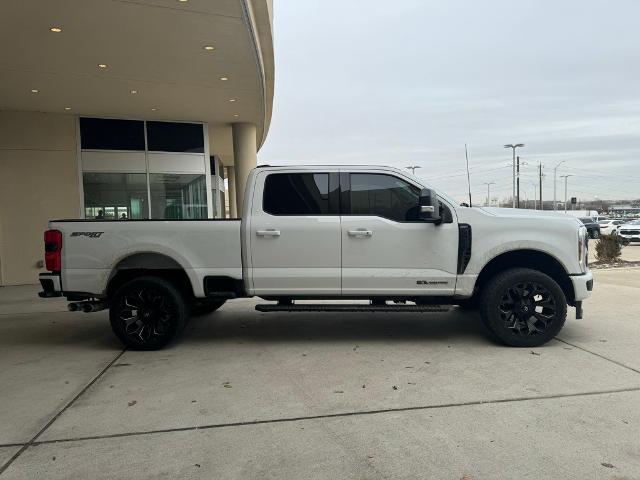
x,y
295,233
386,248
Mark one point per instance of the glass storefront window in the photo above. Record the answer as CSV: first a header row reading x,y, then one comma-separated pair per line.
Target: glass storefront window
x,y
178,196
110,146
115,196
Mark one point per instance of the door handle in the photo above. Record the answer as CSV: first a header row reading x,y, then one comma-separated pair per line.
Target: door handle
x,y
361,232
268,233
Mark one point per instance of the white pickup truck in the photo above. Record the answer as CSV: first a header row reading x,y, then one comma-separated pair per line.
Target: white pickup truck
x,y
373,236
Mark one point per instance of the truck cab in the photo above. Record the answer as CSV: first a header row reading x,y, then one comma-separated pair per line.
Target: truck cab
x,y
326,233
345,232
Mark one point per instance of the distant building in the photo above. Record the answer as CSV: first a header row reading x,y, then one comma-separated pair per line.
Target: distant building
x,y
625,209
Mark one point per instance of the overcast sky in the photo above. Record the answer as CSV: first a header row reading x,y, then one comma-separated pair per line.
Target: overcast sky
x,y
409,82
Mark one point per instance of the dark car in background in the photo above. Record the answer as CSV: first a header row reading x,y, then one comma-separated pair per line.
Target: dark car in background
x,y
593,229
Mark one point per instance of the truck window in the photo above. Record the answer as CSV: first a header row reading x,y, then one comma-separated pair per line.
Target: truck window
x,y
384,196
298,194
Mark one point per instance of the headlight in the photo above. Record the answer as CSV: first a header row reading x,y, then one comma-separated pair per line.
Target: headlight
x,y
583,249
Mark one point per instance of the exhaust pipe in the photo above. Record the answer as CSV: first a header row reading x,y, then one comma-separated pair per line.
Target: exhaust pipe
x,y
88,306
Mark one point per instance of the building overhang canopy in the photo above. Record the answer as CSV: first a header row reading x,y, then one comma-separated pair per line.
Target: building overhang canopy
x,y
194,60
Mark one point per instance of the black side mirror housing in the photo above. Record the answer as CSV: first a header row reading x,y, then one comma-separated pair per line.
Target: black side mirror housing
x,y
429,207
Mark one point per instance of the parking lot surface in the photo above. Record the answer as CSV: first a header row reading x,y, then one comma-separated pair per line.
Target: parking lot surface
x,y
272,395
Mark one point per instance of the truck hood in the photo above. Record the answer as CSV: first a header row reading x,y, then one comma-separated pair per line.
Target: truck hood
x,y
514,213
629,226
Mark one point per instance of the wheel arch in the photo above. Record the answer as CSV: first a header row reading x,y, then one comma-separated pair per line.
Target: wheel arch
x,y
527,258
149,263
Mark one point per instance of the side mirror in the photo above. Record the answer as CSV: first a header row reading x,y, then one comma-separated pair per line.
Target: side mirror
x,y
429,207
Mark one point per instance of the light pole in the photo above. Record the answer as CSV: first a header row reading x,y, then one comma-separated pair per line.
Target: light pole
x,y
555,171
565,190
488,184
535,195
413,168
513,146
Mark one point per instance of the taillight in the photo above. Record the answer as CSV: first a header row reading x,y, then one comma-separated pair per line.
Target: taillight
x,y
53,250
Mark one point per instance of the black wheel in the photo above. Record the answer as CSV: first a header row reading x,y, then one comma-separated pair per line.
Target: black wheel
x,y
523,307
204,307
595,234
147,313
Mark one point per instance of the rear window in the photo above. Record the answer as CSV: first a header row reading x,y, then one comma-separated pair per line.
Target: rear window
x,y
298,194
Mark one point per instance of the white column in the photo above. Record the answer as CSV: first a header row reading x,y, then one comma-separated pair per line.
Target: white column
x,y
245,156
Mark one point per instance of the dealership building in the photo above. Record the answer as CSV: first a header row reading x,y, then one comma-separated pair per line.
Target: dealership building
x,y
125,110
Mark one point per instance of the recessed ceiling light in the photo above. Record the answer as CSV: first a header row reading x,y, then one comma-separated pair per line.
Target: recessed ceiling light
x,y
133,92
209,47
224,79
154,108
183,1
102,65
236,115
55,29
35,90
232,99
67,108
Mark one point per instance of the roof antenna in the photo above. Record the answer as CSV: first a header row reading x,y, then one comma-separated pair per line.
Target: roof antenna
x,y
466,154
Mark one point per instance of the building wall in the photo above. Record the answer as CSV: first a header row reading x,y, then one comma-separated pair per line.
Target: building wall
x,y
38,182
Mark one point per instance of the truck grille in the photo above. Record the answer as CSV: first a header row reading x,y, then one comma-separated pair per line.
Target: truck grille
x,y
629,232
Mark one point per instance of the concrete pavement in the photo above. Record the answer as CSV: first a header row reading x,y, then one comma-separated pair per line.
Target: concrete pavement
x,y
252,395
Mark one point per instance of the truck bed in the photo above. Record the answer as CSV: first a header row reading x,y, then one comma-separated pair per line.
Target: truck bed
x,y
91,249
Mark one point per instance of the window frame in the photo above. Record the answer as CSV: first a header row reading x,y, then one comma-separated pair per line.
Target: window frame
x,y
334,194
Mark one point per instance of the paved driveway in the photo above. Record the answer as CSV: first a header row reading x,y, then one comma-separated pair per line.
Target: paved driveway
x,y
252,395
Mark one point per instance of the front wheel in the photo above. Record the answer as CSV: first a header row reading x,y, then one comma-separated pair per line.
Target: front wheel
x,y
595,234
523,307
147,313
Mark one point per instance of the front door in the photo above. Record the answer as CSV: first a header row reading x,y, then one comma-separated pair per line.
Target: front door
x,y
386,249
295,234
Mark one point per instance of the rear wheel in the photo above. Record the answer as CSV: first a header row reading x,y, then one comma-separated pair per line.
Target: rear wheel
x,y
147,313
595,234
523,307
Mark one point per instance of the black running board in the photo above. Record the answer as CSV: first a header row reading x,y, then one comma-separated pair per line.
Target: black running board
x,y
328,307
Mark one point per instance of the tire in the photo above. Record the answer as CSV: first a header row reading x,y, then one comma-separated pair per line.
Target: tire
x,y
595,234
205,307
523,307
147,313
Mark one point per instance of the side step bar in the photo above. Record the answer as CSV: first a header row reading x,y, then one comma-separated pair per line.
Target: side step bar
x,y
328,307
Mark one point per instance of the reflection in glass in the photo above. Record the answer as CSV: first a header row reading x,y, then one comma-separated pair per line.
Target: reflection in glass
x,y
178,196
111,196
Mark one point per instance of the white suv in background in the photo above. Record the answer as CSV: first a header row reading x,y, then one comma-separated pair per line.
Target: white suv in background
x,y
630,231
